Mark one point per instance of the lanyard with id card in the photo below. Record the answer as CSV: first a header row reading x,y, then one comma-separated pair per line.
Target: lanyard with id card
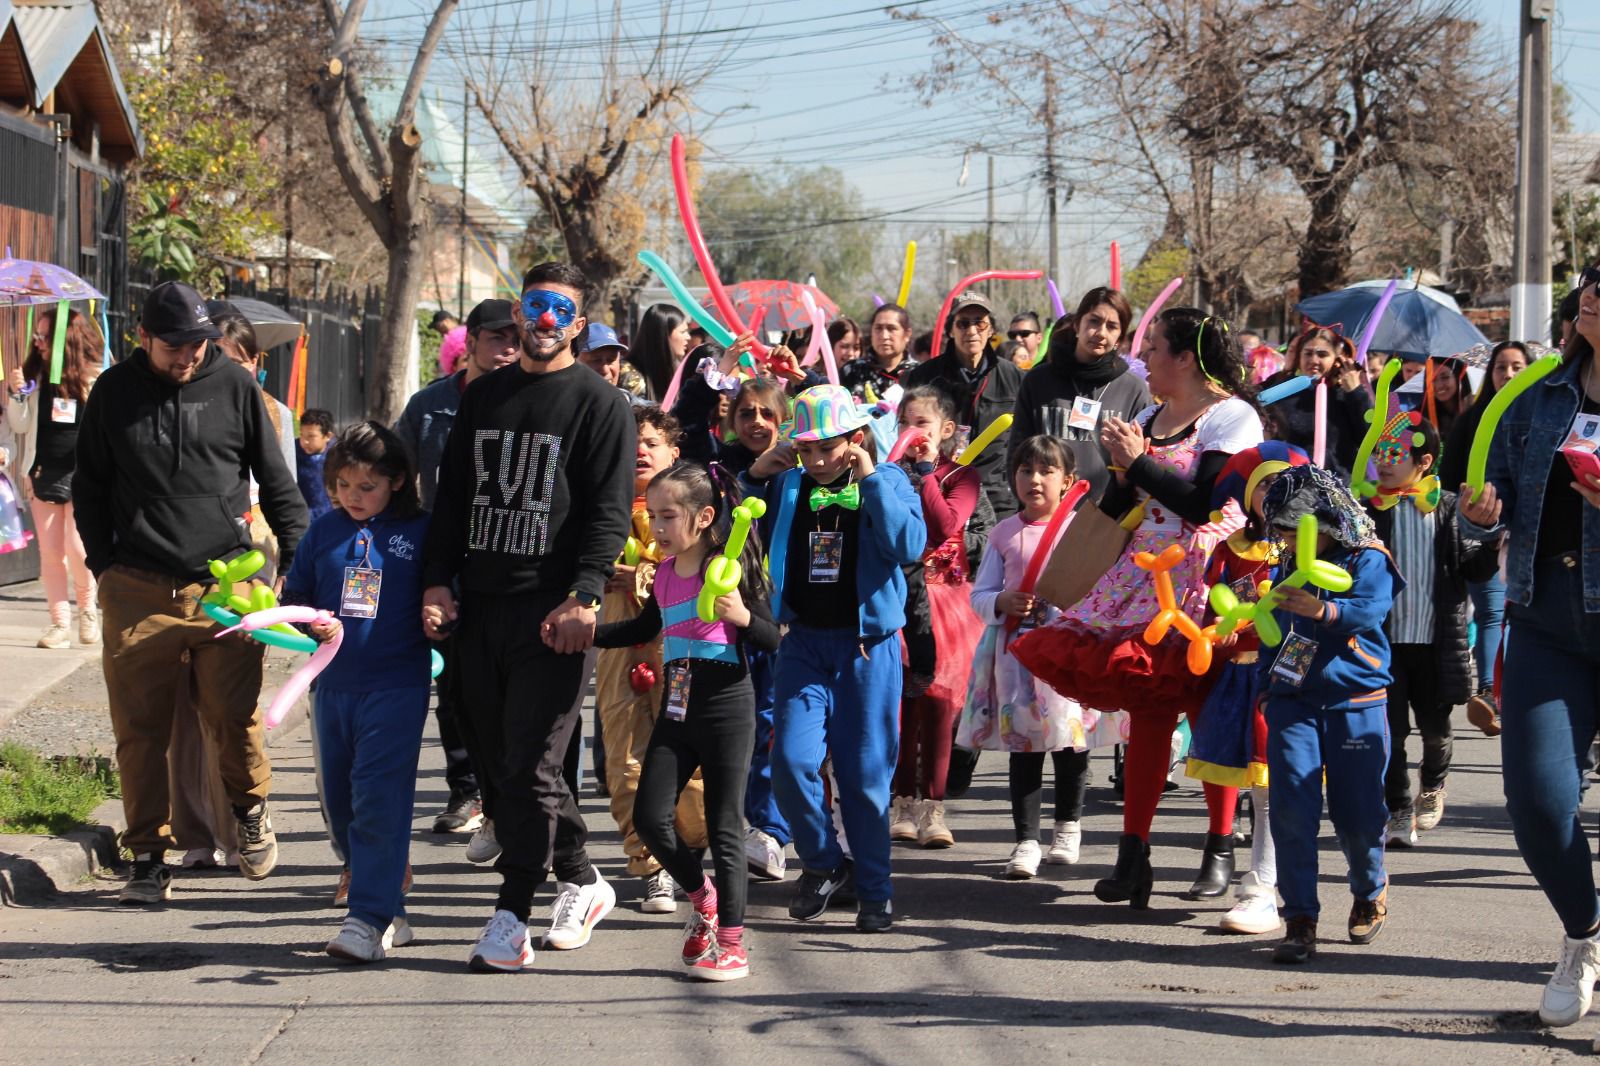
x,y
1085,414
362,584
1293,663
678,692
63,410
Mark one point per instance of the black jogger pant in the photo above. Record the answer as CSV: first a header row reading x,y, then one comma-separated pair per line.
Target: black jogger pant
x,y
717,737
519,697
1027,785
1415,690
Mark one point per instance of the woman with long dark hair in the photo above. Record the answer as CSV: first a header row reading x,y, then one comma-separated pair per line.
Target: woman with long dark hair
x,y
45,420
659,345
1550,519
1325,355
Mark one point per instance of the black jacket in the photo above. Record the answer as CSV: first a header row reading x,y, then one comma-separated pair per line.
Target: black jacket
x,y
990,393
1456,561
1045,400
163,477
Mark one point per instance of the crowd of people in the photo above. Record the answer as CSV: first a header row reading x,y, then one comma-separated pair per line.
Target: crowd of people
x,y
807,606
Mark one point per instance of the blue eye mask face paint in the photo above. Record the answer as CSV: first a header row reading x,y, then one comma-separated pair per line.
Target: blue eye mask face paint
x,y
543,309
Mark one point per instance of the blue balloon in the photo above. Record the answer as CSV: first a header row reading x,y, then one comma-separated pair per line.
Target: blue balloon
x,y
436,661
1286,389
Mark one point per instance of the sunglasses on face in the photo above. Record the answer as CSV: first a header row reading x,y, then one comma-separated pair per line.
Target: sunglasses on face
x,y
536,303
971,323
1018,334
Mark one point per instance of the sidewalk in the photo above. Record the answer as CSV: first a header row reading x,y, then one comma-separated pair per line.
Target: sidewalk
x,y
27,670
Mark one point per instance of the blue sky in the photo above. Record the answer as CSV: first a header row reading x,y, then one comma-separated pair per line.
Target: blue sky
x,y
823,81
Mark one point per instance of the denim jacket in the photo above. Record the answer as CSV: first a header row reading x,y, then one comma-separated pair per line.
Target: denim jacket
x,y
1519,469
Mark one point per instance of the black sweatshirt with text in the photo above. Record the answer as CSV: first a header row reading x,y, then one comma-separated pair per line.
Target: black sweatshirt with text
x,y
536,486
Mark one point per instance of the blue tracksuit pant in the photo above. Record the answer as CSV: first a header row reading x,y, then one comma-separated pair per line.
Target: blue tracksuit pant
x,y
368,743
760,805
1352,743
830,699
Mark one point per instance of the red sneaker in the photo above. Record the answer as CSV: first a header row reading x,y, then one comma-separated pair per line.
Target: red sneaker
x,y
721,964
699,936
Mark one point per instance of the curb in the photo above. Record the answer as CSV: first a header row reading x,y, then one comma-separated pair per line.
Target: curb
x,y
34,869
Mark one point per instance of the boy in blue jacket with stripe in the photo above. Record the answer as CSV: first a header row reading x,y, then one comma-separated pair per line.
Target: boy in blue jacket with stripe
x,y
840,528
1326,706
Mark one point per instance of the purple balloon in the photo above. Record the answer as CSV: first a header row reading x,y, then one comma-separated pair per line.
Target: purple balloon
x,y
1055,298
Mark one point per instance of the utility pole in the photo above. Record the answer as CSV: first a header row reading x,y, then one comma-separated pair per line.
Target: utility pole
x,y
988,237
461,277
1530,288
1050,193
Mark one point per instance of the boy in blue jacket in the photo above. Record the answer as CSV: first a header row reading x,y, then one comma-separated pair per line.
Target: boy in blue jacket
x,y
841,528
1326,705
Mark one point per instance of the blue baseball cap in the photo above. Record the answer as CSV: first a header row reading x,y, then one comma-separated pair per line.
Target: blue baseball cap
x,y
599,335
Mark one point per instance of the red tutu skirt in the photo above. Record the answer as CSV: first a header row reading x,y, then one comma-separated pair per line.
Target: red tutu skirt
x,y
956,632
1116,670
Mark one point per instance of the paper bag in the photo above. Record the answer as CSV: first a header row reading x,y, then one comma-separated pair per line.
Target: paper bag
x,y
1091,545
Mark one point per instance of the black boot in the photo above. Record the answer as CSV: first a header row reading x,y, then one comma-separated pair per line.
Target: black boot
x,y
1216,868
1132,879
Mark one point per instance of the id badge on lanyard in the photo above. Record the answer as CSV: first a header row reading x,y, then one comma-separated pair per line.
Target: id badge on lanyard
x,y
1294,660
363,584
678,692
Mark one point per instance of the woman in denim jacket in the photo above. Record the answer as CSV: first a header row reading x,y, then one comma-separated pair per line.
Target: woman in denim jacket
x,y
1551,683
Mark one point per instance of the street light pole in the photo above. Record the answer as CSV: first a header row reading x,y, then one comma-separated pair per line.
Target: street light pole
x,y
1530,288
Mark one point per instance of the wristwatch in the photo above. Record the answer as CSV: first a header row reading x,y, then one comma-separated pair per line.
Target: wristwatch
x,y
585,599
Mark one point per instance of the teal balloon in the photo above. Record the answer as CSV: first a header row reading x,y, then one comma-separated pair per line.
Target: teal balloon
x,y
714,329
436,661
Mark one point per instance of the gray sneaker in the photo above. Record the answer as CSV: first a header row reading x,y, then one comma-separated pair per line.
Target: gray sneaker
x,y
55,637
659,897
1430,808
1402,829
258,844
151,883
89,626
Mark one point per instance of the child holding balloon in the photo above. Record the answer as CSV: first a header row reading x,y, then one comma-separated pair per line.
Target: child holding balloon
x,y
709,601
1325,700
362,562
949,493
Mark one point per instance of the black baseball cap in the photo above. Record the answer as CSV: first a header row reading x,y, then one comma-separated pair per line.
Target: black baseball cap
x,y
440,317
177,314
490,314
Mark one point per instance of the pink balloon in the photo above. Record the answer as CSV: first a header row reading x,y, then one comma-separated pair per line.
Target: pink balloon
x,y
909,436
1319,439
672,386
1151,312
297,685
819,336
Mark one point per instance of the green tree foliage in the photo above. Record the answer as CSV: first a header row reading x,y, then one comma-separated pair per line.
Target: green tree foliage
x,y
787,223
202,190
1159,266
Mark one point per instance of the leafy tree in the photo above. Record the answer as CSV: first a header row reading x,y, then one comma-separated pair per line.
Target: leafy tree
x,y
201,191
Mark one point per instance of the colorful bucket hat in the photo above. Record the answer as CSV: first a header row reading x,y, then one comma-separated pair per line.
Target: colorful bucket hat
x,y
824,411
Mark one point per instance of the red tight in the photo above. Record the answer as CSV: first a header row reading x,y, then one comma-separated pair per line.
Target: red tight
x,y
925,736
1144,778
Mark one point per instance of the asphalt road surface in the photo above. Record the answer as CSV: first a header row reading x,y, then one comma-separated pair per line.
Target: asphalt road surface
x,y
977,969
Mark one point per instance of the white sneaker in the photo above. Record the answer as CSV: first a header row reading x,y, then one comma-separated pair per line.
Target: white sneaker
x,y
1024,861
483,847
89,626
1255,908
55,637
659,894
904,813
198,858
357,942
764,855
398,935
504,946
1064,845
1402,829
1571,987
577,909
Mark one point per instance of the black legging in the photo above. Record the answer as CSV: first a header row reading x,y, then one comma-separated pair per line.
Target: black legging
x,y
717,737
1027,783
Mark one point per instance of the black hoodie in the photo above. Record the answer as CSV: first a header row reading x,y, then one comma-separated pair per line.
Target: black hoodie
x,y
1045,401
163,477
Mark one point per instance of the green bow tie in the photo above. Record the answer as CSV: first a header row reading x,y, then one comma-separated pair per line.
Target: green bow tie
x,y
848,497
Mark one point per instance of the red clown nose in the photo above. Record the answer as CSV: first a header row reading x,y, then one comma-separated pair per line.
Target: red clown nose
x,y
547,320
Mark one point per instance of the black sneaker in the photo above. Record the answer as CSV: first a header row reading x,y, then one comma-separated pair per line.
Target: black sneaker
x,y
874,917
1300,943
258,844
151,883
814,890
462,815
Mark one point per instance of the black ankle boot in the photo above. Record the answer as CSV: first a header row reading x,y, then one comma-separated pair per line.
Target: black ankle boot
x,y
1132,879
1216,867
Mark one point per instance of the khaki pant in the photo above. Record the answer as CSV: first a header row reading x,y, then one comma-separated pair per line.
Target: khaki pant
x,y
157,639
626,718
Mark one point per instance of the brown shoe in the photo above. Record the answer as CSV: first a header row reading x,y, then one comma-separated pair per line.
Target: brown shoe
x,y
258,844
1367,916
1300,943
1483,712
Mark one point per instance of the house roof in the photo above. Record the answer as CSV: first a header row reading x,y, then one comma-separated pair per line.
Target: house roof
x,y
59,47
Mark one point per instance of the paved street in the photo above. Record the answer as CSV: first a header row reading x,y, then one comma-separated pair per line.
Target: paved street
x,y
978,969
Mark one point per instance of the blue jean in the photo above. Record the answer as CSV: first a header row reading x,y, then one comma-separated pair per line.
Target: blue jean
x,y
838,695
1352,743
1489,612
1552,681
368,744
760,804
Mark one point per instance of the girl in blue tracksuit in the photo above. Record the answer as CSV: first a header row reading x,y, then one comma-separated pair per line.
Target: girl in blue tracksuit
x,y
1326,705
840,529
362,562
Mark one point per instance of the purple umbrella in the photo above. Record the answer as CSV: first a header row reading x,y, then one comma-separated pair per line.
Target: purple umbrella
x,y
26,281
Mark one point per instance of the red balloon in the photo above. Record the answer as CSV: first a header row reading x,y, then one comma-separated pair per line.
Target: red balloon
x,y
967,283
642,678
697,244
1041,554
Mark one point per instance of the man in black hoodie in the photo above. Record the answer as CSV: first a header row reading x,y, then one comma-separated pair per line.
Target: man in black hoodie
x,y
1082,380
169,441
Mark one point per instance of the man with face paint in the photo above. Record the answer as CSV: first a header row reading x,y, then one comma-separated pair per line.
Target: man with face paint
x,y
532,510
